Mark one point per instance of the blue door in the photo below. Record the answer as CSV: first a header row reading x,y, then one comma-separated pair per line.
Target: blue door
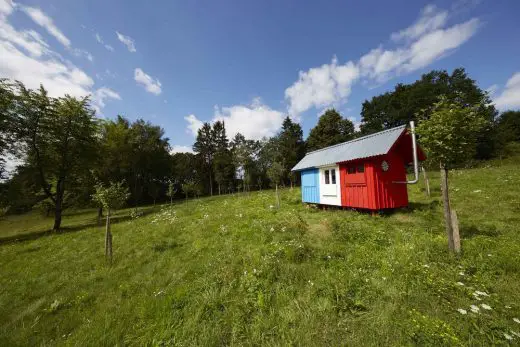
x,y
311,186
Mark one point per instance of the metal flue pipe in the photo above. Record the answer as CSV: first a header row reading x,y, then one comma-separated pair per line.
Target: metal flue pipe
x,y
415,159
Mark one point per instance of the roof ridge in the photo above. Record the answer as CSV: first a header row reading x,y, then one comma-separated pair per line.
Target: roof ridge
x,y
358,139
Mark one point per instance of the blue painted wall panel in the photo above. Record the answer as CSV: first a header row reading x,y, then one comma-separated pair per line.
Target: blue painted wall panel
x,y
310,186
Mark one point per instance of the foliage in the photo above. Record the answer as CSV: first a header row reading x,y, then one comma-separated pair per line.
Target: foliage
x,y
449,132
407,101
330,130
57,138
275,173
111,197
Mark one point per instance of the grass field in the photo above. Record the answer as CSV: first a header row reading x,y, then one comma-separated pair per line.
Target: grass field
x,y
230,270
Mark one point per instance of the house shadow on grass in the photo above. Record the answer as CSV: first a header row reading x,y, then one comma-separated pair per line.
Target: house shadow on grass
x,y
89,223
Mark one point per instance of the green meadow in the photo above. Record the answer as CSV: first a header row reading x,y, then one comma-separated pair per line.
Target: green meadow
x,y
233,270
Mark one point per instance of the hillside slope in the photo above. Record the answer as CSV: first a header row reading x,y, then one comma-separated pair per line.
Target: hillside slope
x,y
232,270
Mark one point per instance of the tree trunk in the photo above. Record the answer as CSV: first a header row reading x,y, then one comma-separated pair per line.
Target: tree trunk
x,y
447,208
210,184
277,197
99,215
171,200
59,205
108,240
456,235
426,181
219,189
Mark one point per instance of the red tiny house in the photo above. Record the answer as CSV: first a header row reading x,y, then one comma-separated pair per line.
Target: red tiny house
x,y
372,169
372,183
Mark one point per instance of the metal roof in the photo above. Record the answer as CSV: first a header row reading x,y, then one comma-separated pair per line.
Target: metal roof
x,y
363,147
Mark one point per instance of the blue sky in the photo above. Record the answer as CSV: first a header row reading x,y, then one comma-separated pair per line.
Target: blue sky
x,y
251,63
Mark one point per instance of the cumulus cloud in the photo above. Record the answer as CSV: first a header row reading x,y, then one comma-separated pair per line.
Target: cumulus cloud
x,y
149,83
194,124
181,149
127,41
321,86
25,56
509,98
425,41
47,23
100,95
254,121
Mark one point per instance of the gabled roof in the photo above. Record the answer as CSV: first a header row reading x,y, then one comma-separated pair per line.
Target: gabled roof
x,y
363,147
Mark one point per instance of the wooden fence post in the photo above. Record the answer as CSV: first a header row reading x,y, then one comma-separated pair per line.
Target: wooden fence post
x,y
426,181
456,235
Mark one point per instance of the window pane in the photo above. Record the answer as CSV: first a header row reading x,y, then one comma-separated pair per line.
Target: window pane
x,y
327,177
361,168
351,170
333,176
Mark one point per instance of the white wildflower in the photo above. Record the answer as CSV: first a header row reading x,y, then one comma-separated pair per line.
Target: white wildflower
x,y
328,257
486,307
462,273
460,283
271,206
462,311
426,265
508,337
475,309
283,228
508,307
477,292
272,229
477,191
490,255
254,270
516,320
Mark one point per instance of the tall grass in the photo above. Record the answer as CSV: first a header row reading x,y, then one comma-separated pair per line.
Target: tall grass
x,y
230,270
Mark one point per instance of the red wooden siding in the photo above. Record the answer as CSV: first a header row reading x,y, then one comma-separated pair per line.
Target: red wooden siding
x,y
374,189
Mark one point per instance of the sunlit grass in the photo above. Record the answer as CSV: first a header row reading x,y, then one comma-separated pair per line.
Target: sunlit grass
x,y
232,270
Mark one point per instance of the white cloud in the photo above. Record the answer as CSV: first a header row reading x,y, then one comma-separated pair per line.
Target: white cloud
x,y
194,124
181,149
26,57
430,19
99,39
127,41
509,98
82,53
47,23
100,95
254,121
418,45
150,84
321,86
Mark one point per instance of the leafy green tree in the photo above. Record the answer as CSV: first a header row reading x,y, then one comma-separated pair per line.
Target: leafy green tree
x,y
150,159
275,173
406,101
222,162
291,147
172,190
7,109
111,197
204,146
448,132
508,126
244,154
58,137
330,130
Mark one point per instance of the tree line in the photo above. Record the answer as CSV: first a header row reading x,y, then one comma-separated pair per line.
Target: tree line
x,y
65,150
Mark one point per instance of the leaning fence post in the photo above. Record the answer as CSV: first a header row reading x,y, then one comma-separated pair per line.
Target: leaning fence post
x,y
456,235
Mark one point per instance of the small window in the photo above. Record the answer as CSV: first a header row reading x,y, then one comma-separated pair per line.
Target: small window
x,y
333,176
361,168
327,180
351,170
